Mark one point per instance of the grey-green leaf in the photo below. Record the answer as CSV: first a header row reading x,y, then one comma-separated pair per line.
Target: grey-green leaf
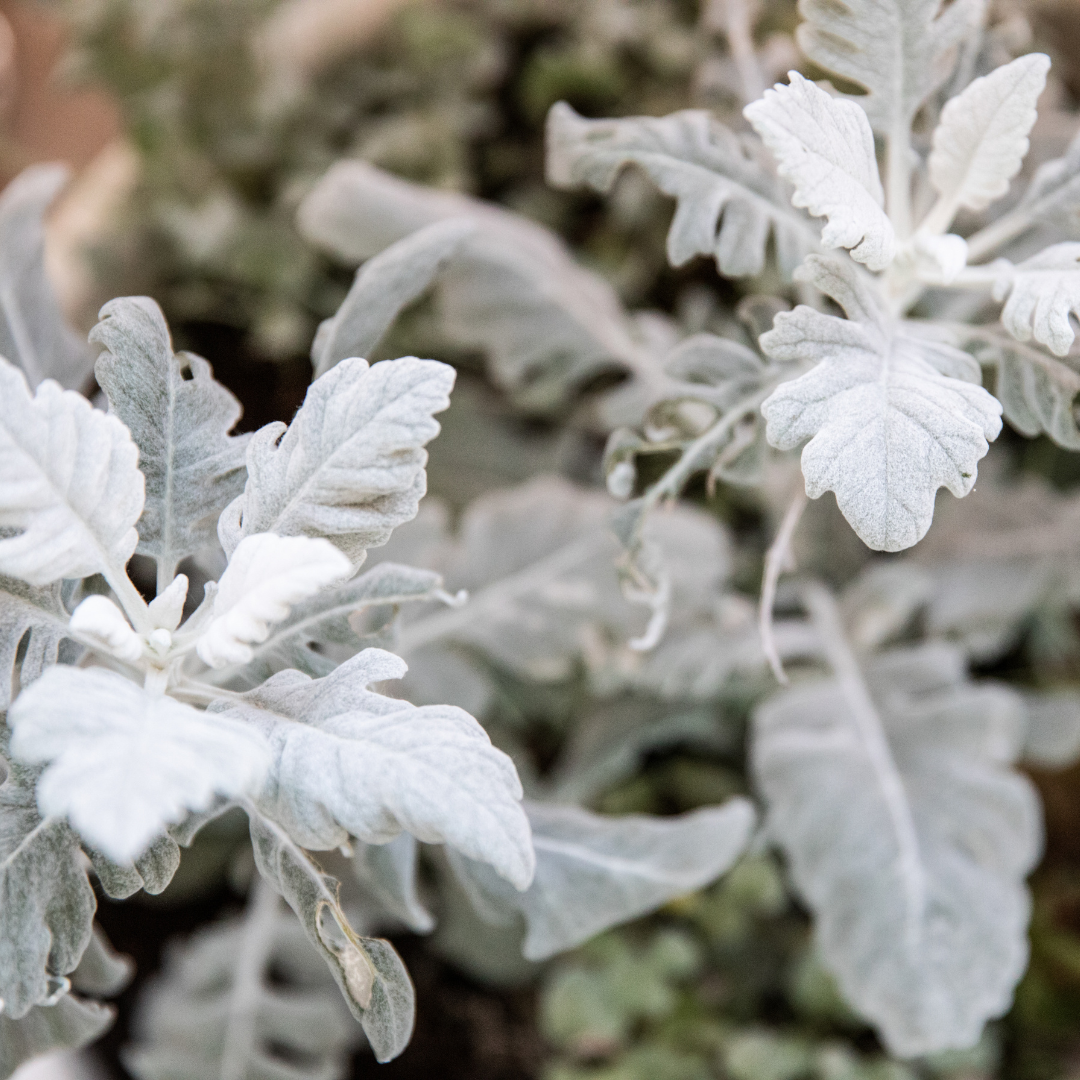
x,y
389,873
33,333
36,614
912,851
350,466
180,417
68,1025
370,975
383,286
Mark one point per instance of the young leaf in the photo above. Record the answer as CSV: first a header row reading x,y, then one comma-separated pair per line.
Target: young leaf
x,y
243,998
728,203
33,334
513,290
39,617
68,1025
890,418
595,872
266,575
909,838
982,136
125,762
98,620
180,417
368,971
825,147
383,286
350,761
69,480
899,51
1043,292
46,902
300,641
350,466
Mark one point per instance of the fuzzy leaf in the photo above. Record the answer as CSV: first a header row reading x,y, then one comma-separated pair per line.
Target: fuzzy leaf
x,y
33,333
266,575
350,466
1054,192
513,290
98,620
595,872
911,850
180,417
982,136
389,873
383,286
368,971
151,871
890,417
70,1024
69,479
1043,292
46,902
899,51
825,147
127,762
247,995
727,202
38,615
350,761
327,620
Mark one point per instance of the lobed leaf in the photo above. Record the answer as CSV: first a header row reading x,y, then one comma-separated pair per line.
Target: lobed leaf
x,y
70,1024
825,147
1042,292
69,481
180,418
36,616
348,761
890,417
127,762
727,205
350,466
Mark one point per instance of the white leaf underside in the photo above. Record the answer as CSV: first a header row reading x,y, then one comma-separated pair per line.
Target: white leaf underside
x,y
900,51
69,480
728,204
350,466
595,872
825,147
266,575
127,763
1043,292
33,333
348,761
180,417
887,418
982,136
913,861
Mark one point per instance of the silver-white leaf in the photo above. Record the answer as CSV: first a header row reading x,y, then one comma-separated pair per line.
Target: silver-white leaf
x,y
266,575
33,623
982,136
350,466
1043,292
911,852
349,761
69,481
890,417
33,333
595,872
825,147
123,762
100,622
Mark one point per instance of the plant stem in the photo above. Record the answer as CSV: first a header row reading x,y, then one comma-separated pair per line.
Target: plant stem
x,y
776,560
898,181
130,600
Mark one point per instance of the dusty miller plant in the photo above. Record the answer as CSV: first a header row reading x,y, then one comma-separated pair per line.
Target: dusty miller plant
x,y
131,722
